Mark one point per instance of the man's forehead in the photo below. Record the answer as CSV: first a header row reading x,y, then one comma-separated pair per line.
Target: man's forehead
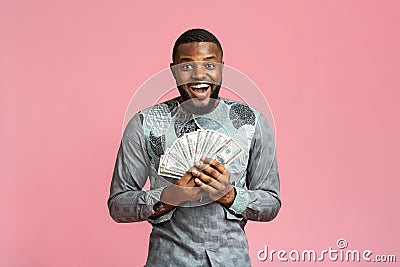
x,y
198,51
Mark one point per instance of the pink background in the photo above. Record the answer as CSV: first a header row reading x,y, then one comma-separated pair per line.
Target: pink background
x,y
330,70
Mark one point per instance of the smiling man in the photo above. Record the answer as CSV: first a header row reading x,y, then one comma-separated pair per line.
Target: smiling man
x,y
198,216
197,68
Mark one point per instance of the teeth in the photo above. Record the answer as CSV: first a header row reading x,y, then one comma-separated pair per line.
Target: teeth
x,y
200,86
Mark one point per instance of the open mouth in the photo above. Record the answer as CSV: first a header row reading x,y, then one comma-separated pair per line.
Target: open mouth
x,y
200,90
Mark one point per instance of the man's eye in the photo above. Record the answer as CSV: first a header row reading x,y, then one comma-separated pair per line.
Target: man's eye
x,y
209,66
187,66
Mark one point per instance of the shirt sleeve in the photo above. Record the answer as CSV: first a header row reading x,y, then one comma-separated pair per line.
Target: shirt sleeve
x,y
127,202
261,200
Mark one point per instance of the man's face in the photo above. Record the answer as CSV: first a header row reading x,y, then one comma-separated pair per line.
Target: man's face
x,y
197,69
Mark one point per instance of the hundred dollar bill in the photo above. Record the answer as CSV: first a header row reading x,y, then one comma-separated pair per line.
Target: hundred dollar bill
x,y
211,142
228,152
218,143
183,147
207,143
172,175
170,167
201,136
192,147
168,162
191,139
174,152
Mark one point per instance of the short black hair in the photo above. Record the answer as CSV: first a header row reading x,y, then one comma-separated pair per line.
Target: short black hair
x,y
193,36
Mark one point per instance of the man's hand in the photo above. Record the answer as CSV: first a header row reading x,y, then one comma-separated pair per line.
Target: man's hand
x,y
214,178
184,189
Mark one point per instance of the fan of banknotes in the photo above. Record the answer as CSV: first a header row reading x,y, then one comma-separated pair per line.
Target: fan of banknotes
x,y
191,147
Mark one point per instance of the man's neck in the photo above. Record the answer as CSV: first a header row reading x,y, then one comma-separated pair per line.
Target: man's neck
x,y
187,106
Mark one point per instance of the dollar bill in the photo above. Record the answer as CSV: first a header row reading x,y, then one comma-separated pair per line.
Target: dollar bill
x,y
201,137
192,146
183,147
170,167
174,152
212,140
191,139
228,152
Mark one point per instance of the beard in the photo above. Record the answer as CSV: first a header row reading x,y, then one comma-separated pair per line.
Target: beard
x,y
196,109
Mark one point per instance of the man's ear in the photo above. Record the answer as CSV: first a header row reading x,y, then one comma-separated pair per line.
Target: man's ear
x,y
172,68
221,66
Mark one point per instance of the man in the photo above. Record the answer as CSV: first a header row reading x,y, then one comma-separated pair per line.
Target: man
x,y
198,219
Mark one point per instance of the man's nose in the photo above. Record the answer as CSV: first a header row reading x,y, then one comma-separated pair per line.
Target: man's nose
x,y
198,72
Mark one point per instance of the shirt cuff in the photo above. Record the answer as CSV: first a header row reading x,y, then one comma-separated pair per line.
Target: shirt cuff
x,y
240,202
152,197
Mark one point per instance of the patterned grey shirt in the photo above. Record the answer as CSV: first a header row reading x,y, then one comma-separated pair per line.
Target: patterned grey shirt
x,y
196,235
